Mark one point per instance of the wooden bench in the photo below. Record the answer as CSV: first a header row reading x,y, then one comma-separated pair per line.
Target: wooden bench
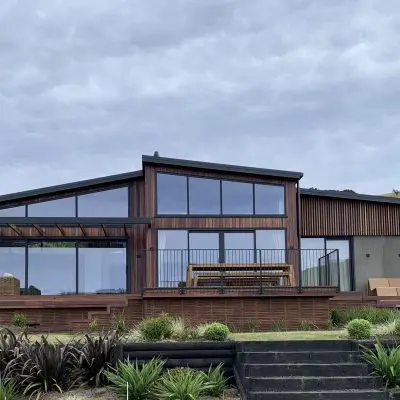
x,y
201,273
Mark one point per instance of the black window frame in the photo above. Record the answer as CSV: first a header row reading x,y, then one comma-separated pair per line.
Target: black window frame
x,y
350,240
221,232
220,215
26,242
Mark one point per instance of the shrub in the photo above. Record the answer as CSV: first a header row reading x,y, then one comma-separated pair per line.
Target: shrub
x,y
8,390
385,363
278,326
9,344
95,357
359,329
41,367
20,320
217,332
181,384
374,315
138,380
119,323
215,381
157,328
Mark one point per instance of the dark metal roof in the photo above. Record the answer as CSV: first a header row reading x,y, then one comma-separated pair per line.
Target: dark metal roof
x,y
73,221
221,167
70,186
350,196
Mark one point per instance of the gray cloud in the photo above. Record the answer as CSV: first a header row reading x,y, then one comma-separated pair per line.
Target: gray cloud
x,y
86,87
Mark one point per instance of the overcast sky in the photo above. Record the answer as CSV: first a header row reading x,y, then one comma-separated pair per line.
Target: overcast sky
x,y
88,86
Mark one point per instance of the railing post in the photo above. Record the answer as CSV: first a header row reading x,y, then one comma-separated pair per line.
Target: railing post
x,y
260,260
338,267
300,278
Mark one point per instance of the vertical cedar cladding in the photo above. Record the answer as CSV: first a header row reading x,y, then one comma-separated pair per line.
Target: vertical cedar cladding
x,y
328,216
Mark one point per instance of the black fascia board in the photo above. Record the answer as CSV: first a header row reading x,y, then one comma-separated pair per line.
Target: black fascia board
x,y
27,194
72,221
173,162
349,196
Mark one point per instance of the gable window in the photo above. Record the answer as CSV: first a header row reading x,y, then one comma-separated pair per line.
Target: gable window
x,y
107,203
269,199
204,196
237,198
188,195
172,194
13,212
53,208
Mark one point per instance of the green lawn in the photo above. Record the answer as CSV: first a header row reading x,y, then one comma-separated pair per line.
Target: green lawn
x,y
291,335
287,335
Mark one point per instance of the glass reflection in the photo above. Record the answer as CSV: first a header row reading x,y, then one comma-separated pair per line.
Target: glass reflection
x,y
237,198
53,208
171,194
269,199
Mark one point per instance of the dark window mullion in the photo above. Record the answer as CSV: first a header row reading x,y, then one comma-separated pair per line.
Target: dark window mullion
x,y
220,197
26,267
187,196
255,246
76,268
221,247
254,199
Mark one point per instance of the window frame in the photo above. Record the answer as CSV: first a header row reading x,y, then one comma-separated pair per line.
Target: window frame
x,y
350,240
128,274
221,232
220,215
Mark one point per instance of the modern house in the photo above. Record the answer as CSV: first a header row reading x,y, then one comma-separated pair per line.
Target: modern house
x,y
206,241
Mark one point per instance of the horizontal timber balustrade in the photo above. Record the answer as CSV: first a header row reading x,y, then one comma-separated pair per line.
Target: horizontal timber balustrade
x,y
239,271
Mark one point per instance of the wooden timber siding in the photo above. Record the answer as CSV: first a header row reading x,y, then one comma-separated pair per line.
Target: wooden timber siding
x,y
74,313
288,221
322,216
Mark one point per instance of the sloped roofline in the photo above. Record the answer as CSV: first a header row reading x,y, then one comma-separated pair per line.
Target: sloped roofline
x,y
174,162
349,196
27,194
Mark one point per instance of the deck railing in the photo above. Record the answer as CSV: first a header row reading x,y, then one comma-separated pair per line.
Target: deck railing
x,y
261,271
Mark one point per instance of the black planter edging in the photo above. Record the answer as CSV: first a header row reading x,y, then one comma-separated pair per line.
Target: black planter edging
x,y
370,343
198,355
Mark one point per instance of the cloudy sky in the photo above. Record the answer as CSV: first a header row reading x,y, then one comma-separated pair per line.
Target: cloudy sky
x,y
86,87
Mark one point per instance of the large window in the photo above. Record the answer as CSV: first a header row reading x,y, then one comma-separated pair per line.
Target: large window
x,y
56,268
172,257
183,195
326,261
108,203
237,198
53,208
204,196
269,199
52,267
178,248
13,212
12,260
171,194
102,267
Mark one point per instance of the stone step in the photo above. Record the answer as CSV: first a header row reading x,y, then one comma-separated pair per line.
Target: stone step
x,y
323,395
279,370
311,383
326,357
296,345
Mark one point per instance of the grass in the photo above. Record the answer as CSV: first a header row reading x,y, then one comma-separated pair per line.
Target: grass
x,y
284,335
291,335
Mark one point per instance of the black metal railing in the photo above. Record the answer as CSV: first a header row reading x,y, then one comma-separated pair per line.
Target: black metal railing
x,y
261,270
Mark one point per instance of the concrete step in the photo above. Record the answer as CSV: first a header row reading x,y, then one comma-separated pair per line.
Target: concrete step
x,y
323,395
280,370
311,383
301,357
296,345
